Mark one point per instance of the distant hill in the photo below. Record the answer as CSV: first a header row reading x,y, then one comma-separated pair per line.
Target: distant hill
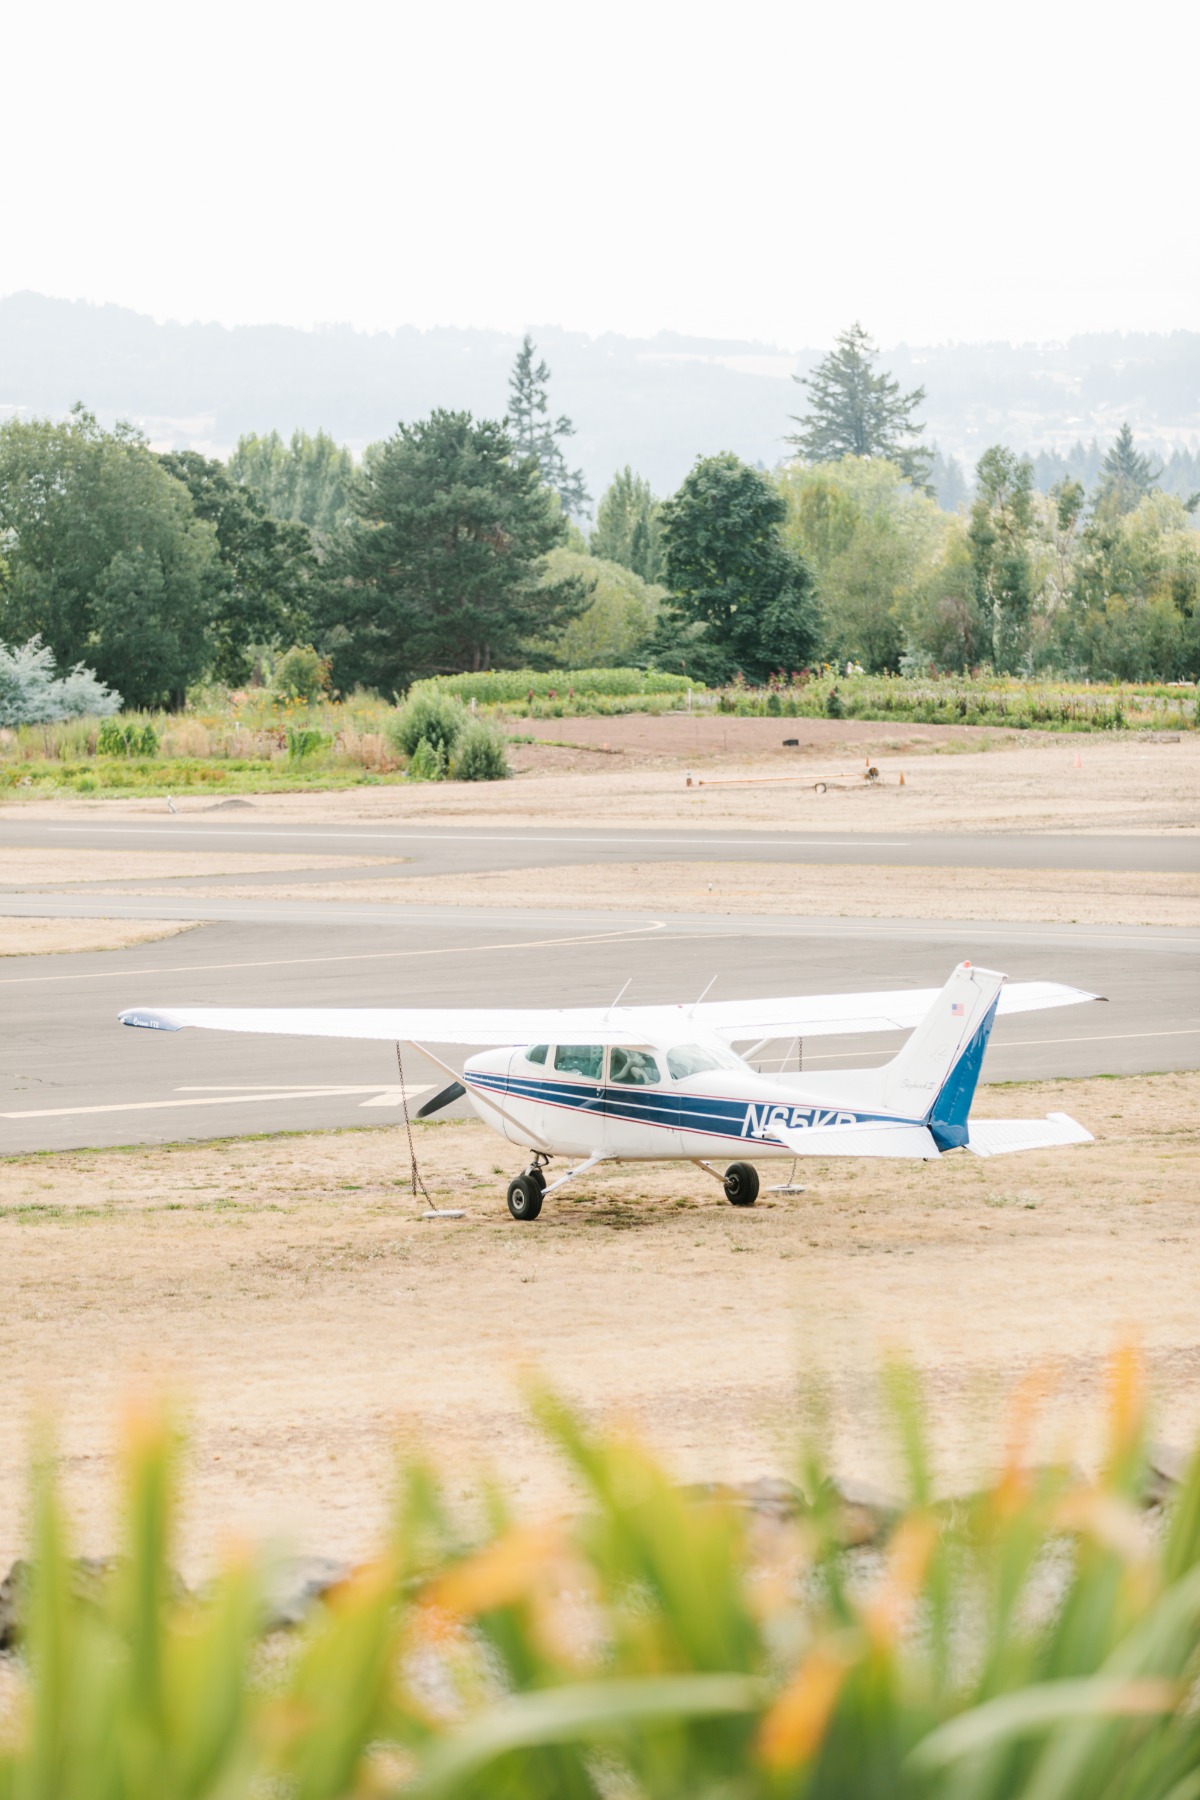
x,y
656,403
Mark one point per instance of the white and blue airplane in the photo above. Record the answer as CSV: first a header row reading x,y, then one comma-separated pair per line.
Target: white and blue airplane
x,y
657,1083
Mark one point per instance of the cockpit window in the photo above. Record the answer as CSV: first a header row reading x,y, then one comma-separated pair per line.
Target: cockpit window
x,y
537,1054
694,1059
632,1068
580,1059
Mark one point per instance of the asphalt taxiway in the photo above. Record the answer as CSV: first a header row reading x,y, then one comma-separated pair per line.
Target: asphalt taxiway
x,y
71,1076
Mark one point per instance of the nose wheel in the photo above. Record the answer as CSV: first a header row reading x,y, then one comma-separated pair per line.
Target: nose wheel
x,y
525,1194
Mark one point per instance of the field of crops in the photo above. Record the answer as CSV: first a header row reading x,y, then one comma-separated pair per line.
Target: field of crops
x,y
972,700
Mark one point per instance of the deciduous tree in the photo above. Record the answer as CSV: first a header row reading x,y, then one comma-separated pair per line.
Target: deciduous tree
x,y
628,527
306,479
1000,534
730,572
108,563
266,565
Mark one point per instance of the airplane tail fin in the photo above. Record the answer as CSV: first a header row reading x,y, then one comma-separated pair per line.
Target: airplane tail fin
x,y
934,1076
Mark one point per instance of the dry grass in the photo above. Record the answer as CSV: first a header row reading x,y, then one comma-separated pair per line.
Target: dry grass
x,y
288,1289
72,937
22,868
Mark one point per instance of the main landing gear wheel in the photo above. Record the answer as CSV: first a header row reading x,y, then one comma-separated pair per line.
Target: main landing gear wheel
x,y
741,1184
525,1194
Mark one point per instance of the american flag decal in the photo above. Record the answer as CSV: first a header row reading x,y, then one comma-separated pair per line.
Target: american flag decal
x,y
956,1007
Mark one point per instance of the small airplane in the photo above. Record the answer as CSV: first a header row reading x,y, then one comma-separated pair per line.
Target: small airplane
x,y
664,1083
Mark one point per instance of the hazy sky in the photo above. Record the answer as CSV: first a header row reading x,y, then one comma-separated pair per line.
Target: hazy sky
x,y
757,171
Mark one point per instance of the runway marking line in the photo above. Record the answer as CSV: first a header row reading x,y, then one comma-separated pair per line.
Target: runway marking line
x,y
288,962
308,1093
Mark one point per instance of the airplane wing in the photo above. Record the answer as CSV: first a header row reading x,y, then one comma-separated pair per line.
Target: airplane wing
x,y
829,1015
733,1021
431,1024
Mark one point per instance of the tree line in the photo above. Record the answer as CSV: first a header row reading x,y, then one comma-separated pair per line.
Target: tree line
x,y
462,543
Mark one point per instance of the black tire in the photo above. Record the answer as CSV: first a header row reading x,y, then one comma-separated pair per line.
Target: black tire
x,y
524,1198
537,1175
741,1184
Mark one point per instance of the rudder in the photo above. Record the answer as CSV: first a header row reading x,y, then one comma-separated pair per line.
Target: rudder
x,y
934,1076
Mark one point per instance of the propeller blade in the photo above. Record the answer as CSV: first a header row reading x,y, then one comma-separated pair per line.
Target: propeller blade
x,y
447,1097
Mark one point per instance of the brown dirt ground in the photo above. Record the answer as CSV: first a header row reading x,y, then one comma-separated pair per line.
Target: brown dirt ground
x,y
70,937
287,1290
968,779
1076,896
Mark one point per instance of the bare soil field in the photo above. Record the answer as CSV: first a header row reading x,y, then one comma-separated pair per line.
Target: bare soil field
x,y
70,937
955,779
288,1292
850,890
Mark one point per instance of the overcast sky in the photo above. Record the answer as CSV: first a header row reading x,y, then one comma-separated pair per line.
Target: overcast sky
x,y
761,170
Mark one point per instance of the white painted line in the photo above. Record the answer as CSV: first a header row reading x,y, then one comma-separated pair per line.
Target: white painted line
x,y
289,962
126,1106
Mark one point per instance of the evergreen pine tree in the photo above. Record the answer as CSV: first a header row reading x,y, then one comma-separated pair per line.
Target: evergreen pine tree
x,y
536,435
855,412
1126,476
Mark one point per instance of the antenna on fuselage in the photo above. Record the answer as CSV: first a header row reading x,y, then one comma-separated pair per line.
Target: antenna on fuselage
x,y
612,1009
708,989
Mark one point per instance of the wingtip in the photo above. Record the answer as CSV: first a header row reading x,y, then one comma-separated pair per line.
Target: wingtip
x,y
147,1020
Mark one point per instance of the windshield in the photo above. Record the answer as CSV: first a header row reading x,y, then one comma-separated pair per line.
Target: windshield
x,y
697,1059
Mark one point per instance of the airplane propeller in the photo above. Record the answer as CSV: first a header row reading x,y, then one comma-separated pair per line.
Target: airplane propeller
x,y
447,1097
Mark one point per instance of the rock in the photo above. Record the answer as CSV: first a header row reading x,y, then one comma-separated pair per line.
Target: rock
x,y
867,1515
90,1576
295,1586
1166,1471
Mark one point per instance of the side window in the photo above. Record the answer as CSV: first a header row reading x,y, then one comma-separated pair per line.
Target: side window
x,y
537,1054
632,1068
580,1059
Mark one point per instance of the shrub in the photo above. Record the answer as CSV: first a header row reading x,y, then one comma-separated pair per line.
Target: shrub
x,y
31,693
305,740
480,754
428,716
130,739
427,762
301,674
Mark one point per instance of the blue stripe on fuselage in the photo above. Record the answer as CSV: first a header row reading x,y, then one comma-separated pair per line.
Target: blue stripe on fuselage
x,y
712,1115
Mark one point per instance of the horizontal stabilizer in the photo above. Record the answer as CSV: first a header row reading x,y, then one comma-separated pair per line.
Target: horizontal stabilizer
x,y
869,1139
997,1137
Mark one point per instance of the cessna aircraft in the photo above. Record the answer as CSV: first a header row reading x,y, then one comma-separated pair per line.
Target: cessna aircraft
x,y
655,1083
